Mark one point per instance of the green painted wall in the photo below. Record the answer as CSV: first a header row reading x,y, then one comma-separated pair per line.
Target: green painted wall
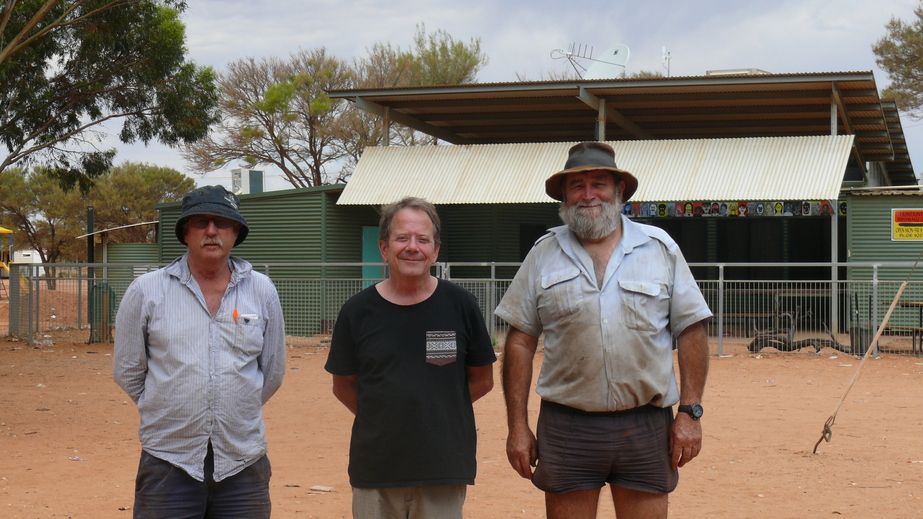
x,y
133,253
869,240
869,235
297,225
494,232
294,226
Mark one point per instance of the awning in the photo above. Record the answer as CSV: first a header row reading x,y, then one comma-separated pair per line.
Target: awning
x,y
767,168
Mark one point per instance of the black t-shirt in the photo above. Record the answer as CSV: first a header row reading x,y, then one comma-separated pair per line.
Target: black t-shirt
x,y
415,422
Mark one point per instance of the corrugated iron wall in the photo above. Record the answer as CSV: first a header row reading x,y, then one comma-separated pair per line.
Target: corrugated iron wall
x,y
285,226
869,240
490,232
133,253
869,233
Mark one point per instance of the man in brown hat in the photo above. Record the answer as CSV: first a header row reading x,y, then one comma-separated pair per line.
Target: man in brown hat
x,y
610,295
200,347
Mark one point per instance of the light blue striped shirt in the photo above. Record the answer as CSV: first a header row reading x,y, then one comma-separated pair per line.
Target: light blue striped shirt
x,y
198,378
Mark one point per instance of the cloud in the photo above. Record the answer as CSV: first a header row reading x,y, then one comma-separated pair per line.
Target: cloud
x,y
786,36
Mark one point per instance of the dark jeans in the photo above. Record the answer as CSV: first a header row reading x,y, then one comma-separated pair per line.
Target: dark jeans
x,y
163,491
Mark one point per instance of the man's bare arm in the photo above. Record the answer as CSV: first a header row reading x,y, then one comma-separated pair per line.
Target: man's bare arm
x,y
519,353
480,380
344,388
692,357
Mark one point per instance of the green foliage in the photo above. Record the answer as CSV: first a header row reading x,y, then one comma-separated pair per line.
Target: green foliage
x,y
442,60
68,66
435,59
48,219
44,216
278,112
127,195
900,54
643,74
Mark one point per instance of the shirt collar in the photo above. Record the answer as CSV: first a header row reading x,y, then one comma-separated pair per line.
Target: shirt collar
x,y
179,268
633,236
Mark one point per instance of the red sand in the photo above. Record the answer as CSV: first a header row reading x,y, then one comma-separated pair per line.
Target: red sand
x,y
69,448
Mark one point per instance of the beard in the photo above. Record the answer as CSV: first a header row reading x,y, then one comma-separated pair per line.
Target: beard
x,y
596,227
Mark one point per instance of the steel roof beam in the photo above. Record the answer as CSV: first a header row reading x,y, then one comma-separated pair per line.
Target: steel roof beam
x,y
408,121
614,115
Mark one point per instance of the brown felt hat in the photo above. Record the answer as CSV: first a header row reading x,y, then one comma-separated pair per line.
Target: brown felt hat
x,y
590,156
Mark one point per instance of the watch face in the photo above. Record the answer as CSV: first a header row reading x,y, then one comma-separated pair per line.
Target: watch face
x,y
697,411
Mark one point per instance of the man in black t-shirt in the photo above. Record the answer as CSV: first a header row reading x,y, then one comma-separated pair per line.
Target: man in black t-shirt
x,y
408,357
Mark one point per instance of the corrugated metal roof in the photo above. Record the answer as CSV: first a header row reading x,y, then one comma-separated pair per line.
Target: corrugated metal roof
x,y
713,107
777,168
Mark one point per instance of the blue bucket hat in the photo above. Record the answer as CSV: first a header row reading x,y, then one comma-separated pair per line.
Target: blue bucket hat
x,y
213,201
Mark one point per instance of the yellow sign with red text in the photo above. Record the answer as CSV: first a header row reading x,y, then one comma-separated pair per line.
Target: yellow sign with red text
x,y
907,224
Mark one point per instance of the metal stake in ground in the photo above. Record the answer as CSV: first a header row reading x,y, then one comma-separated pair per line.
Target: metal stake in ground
x,y
828,426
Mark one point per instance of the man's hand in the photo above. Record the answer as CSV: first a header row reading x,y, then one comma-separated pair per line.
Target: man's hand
x,y
518,354
685,439
692,356
521,451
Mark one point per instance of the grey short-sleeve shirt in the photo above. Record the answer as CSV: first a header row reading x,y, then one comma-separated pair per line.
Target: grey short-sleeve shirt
x,y
606,349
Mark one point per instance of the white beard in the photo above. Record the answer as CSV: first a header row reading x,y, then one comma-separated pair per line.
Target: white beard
x,y
592,228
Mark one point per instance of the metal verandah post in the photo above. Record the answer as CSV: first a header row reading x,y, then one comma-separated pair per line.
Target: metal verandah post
x,y
834,274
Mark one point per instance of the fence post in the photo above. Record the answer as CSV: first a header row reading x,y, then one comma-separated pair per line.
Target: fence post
x,y
80,298
834,300
36,282
875,304
720,310
16,289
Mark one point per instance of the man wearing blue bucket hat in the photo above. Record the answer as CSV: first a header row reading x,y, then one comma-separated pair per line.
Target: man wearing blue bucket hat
x,y
610,296
200,347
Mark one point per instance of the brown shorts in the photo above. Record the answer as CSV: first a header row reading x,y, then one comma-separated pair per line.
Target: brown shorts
x,y
579,450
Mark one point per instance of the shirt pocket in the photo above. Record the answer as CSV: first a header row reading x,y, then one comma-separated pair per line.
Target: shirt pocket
x,y
561,293
441,348
249,337
644,304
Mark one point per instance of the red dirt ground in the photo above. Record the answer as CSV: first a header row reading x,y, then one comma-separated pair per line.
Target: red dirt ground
x,y
69,448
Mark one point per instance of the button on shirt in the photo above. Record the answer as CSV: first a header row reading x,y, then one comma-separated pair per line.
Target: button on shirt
x,y
196,377
608,348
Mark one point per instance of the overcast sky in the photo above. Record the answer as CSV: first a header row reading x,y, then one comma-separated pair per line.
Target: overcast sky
x,y
783,36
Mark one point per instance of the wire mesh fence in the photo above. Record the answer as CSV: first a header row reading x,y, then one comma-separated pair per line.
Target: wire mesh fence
x,y
765,315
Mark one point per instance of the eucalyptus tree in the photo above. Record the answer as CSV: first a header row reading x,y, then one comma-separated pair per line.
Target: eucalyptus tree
x,y
69,66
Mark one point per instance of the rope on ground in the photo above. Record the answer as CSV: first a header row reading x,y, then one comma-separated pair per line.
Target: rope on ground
x,y
828,426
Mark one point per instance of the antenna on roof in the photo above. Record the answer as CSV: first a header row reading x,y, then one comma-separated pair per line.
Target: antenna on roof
x,y
665,59
610,64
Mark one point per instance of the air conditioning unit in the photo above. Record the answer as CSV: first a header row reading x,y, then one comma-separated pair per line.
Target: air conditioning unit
x,y
246,181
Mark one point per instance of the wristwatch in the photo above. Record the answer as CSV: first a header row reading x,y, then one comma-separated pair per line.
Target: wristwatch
x,y
695,410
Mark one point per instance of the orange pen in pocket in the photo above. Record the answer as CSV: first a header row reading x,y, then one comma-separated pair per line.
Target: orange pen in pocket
x,y
236,313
